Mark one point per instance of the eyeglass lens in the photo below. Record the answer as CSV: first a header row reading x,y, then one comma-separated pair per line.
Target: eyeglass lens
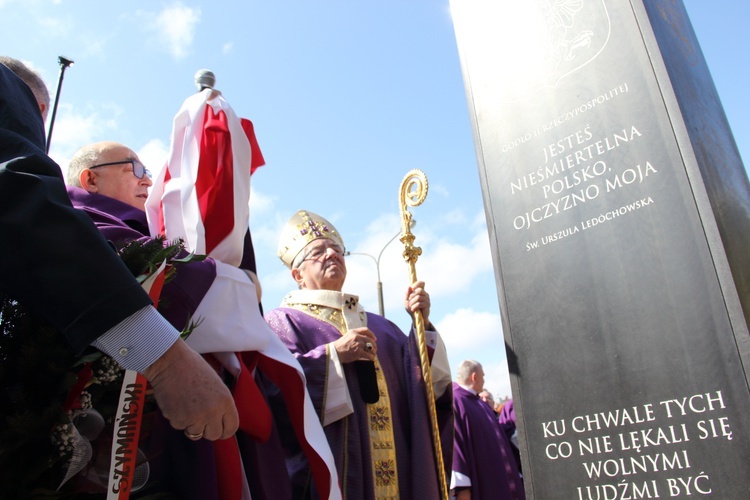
x,y
139,170
318,252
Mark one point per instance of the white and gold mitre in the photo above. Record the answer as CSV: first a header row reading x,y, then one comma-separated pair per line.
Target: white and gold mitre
x,y
301,229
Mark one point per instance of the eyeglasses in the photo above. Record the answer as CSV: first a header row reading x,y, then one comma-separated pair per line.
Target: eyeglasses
x,y
319,251
138,169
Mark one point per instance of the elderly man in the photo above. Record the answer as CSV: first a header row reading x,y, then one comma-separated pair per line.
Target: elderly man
x,y
55,263
383,447
483,463
109,183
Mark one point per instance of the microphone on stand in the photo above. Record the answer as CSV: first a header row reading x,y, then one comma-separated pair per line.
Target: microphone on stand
x,y
204,79
368,381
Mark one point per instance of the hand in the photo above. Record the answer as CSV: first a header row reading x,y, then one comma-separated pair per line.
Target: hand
x,y
417,299
191,395
352,346
464,494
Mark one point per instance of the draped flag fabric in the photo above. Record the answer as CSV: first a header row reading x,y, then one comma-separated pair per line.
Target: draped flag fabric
x,y
202,195
127,425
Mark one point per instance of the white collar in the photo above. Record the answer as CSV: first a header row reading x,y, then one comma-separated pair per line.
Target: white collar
x,y
471,390
353,312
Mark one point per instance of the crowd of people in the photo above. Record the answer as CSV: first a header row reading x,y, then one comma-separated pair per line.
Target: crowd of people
x,y
225,420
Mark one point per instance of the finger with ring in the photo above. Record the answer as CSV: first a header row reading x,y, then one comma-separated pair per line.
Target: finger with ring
x,y
368,346
194,437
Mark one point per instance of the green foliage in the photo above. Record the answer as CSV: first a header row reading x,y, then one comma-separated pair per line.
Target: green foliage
x,y
143,258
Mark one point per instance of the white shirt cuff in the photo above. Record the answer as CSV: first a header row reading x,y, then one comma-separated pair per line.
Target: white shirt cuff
x,y
138,340
459,480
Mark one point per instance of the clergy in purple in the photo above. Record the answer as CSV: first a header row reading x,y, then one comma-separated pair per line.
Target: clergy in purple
x,y
382,445
110,185
483,464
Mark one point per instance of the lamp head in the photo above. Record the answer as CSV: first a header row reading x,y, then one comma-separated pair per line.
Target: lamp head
x,y
64,61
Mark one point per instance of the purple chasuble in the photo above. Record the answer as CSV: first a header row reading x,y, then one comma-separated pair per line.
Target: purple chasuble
x,y
507,419
183,468
482,451
398,355
121,223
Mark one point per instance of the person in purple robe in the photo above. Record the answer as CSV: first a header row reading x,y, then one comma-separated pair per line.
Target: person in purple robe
x,y
483,462
109,183
507,419
363,374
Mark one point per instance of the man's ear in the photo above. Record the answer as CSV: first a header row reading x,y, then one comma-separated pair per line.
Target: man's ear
x,y
297,276
88,180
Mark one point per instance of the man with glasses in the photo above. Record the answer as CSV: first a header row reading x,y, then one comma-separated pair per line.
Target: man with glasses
x,y
110,184
113,170
55,262
382,445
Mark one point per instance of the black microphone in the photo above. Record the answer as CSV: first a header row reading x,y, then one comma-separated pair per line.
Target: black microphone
x,y
368,381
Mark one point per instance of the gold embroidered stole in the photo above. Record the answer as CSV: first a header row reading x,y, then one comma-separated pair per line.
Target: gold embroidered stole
x,y
344,312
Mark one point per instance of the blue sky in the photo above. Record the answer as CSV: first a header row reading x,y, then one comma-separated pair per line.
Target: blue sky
x,y
346,98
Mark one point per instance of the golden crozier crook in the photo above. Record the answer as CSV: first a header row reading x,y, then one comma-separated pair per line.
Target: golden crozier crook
x,y
412,193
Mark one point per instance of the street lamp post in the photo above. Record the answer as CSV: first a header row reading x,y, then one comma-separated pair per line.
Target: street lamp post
x,y
64,64
377,267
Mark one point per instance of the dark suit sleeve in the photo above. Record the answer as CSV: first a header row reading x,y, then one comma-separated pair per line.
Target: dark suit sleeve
x,y
54,260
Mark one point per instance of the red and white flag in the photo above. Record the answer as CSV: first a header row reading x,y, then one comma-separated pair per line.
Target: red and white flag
x,y
202,195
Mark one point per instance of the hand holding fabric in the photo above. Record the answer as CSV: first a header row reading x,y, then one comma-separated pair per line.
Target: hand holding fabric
x,y
191,395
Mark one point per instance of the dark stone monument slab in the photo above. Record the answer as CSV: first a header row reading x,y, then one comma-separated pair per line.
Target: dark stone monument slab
x,y
619,218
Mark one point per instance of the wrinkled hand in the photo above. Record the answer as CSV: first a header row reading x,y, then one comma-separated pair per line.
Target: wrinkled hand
x,y
417,299
191,395
352,346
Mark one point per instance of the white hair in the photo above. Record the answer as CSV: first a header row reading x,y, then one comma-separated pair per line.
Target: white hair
x,y
82,159
465,369
30,78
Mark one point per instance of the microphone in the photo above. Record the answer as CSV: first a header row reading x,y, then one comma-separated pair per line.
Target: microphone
x,y
368,381
205,79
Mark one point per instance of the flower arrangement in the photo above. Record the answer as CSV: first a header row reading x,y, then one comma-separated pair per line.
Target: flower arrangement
x,y
53,405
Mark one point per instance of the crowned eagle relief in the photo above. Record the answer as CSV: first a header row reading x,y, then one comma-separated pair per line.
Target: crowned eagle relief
x,y
560,16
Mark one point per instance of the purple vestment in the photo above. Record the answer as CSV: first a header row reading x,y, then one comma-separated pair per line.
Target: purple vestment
x,y
507,414
121,223
507,419
348,437
185,468
481,450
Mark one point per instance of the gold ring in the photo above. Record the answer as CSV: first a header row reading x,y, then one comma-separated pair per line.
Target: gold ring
x,y
368,346
194,437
